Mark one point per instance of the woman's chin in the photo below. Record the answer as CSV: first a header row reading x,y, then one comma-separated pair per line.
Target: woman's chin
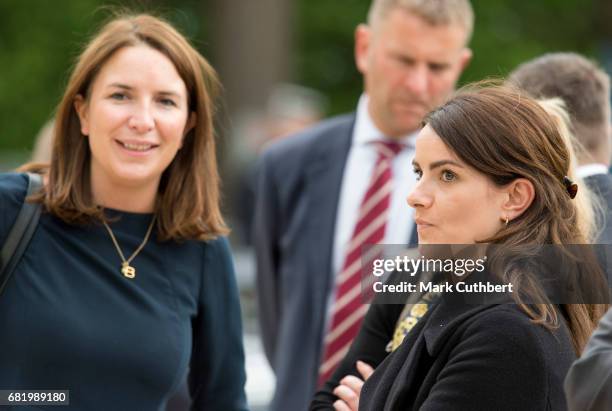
x,y
136,176
428,240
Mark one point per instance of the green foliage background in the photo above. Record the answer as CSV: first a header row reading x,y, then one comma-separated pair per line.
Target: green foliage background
x,y
39,40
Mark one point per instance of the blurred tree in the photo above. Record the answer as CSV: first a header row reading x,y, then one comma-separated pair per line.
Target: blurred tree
x,y
37,41
323,52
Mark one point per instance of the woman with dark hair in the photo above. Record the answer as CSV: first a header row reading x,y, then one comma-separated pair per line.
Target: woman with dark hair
x,y
127,284
493,168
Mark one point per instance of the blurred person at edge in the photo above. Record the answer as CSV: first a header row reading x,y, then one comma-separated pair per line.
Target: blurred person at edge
x,y
585,89
43,143
588,386
492,168
312,187
128,283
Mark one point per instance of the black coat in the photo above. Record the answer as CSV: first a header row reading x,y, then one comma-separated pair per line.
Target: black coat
x,y
473,357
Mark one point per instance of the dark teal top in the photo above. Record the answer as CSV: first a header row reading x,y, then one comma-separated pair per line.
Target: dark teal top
x,y
70,320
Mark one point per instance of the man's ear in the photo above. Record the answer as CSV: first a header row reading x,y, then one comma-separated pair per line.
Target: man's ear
x,y
80,106
191,123
465,58
363,38
520,194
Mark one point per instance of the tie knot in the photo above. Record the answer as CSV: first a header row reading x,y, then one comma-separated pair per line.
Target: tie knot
x,y
388,149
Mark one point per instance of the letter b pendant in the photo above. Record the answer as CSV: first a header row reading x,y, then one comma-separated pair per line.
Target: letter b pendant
x,y
128,271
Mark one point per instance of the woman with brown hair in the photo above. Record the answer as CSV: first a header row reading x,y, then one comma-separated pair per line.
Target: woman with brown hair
x,y
492,166
127,284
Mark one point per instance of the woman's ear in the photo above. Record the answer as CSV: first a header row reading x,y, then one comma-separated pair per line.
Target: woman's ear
x,y
520,195
80,106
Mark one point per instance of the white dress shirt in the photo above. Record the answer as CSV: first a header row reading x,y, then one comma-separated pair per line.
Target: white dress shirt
x,y
591,169
356,179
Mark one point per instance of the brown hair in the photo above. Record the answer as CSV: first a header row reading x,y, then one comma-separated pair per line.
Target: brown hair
x,y
580,83
506,135
187,206
434,12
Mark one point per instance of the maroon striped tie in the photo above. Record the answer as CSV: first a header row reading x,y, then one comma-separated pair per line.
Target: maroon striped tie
x,y
349,309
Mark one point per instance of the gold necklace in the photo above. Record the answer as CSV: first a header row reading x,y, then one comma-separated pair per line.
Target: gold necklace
x,y
126,269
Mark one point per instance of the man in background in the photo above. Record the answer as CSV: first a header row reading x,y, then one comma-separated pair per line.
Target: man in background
x,y
585,89
324,193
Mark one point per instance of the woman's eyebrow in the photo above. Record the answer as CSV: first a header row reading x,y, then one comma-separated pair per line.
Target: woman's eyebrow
x,y
162,92
120,85
440,163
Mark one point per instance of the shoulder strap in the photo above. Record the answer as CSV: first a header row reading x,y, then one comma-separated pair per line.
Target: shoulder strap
x,y
21,232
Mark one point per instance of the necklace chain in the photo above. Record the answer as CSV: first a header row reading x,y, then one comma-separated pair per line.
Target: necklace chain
x,y
127,270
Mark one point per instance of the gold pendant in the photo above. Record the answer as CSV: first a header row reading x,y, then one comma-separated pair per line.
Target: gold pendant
x,y
128,271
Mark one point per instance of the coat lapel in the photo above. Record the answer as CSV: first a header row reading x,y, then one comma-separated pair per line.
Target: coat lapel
x,y
399,377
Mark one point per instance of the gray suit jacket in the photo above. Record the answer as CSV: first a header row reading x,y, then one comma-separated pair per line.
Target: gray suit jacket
x,y
588,385
601,185
298,186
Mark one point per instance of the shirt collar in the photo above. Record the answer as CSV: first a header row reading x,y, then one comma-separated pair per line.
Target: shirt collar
x,y
367,132
591,169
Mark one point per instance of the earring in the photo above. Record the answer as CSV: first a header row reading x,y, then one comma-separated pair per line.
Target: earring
x,y
506,220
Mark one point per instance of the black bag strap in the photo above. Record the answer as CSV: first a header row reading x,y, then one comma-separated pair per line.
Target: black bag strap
x,y
21,232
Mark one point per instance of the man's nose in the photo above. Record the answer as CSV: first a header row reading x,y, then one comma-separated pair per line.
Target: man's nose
x,y
416,80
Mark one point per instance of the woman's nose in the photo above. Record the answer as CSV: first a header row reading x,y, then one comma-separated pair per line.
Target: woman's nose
x,y
142,120
418,197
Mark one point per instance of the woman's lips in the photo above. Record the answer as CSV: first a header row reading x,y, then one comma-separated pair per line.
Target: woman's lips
x,y
422,224
137,149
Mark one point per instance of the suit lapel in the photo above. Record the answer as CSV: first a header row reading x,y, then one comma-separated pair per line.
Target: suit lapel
x,y
323,181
